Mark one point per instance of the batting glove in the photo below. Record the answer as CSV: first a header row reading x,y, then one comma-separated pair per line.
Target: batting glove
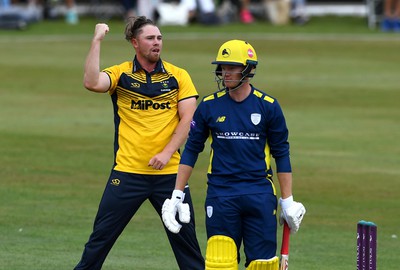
x,y
171,207
293,212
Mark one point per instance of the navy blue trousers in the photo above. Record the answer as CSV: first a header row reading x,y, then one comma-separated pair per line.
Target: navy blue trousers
x,y
250,219
122,197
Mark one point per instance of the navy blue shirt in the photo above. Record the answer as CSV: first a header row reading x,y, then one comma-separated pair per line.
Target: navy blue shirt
x,y
243,136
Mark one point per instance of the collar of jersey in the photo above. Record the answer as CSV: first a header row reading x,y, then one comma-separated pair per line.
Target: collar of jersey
x,y
159,67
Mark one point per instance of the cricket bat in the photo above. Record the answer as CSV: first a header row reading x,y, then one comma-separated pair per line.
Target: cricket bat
x,y
284,265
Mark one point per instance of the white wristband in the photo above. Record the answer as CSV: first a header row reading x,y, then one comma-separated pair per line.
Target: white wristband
x,y
286,203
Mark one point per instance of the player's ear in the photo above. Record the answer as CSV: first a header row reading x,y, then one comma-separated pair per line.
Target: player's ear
x,y
134,42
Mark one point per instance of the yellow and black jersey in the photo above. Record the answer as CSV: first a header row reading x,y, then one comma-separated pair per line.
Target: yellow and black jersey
x,y
146,113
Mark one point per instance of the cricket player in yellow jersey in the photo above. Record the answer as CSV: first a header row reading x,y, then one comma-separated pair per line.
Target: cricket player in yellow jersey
x,y
153,103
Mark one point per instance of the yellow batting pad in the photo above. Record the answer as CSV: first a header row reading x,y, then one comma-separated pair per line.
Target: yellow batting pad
x,y
270,264
221,253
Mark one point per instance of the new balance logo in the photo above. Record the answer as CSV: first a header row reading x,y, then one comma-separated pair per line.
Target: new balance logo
x,y
221,119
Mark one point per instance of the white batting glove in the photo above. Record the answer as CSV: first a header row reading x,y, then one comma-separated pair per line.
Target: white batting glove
x,y
293,212
171,207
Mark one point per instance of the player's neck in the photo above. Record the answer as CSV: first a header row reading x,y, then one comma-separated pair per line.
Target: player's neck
x,y
146,64
241,93
149,67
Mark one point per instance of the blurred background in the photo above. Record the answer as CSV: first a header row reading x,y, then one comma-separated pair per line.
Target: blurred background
x,y
17,14
333,66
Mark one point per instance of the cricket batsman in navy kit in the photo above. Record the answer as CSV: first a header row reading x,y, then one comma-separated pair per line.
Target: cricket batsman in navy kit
x,y
247,129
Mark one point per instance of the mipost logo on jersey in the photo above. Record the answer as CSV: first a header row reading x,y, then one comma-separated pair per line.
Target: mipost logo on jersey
x,y
146,104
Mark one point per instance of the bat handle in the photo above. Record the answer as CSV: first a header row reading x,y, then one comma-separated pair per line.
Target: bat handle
x,y
285,239
284,265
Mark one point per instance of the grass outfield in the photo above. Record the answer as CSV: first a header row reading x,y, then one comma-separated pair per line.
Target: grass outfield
x,y
337,81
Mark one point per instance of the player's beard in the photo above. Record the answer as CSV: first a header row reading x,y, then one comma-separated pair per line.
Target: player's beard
x,y
154,55
149,55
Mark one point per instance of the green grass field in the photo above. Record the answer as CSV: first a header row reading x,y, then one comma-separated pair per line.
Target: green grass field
x,y
337,81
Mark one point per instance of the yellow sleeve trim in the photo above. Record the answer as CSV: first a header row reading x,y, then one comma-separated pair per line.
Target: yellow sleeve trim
x,y
269,99
266,98
257,93
210,97
220,94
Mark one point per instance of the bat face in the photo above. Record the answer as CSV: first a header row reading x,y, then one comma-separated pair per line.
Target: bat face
x,y
284,262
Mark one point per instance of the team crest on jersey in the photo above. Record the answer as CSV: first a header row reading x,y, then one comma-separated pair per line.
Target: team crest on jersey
x,y
165,86
255,118
209,211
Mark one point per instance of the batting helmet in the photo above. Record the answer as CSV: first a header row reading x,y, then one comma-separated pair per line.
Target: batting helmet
x,y
236,52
